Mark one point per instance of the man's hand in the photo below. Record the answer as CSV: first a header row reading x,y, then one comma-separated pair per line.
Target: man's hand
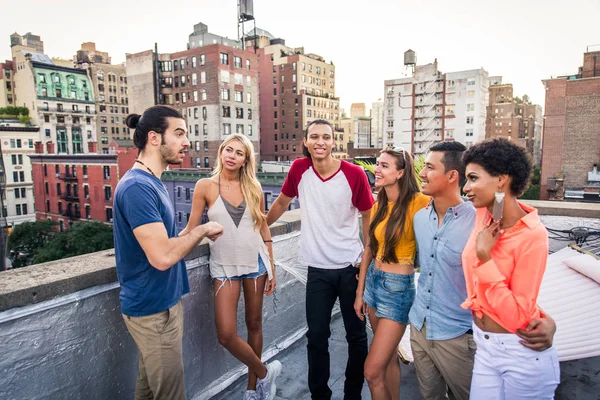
x,y
538,334
212,230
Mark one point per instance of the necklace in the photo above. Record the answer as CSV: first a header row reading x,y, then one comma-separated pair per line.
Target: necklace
x,y
147,167
227,186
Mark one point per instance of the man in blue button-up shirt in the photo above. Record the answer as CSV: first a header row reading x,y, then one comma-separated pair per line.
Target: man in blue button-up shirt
x,y
441,336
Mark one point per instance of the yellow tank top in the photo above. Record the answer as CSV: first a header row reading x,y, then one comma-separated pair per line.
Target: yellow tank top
x,y
406,248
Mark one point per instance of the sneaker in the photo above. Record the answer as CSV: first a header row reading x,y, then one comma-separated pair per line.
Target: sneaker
x,y
266,387
251,395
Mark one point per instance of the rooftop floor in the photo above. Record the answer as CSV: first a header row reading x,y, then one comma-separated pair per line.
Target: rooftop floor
x,y
293,381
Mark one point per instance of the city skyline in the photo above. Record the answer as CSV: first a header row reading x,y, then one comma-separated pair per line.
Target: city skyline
x,y
518,41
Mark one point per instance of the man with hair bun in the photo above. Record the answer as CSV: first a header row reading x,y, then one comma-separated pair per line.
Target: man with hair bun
x,y
149,254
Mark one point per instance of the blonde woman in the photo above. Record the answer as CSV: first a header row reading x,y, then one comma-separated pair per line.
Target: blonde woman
x,y
243,256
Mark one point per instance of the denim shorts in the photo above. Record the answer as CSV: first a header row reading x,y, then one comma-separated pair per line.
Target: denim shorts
x,y
391,295
262,270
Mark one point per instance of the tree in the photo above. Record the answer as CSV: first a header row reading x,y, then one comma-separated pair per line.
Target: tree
x,y
14,111
533,191
81,238
26,238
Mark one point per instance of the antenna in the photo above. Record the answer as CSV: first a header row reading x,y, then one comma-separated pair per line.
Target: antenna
x,y
246,16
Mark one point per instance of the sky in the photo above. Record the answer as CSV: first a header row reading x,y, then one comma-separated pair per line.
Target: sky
x,y
523,41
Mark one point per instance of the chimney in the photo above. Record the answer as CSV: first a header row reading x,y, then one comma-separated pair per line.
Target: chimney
x,y
50,148
39,148
93,147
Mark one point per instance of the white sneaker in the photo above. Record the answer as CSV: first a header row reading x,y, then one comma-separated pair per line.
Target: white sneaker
x,y
251,395
265,388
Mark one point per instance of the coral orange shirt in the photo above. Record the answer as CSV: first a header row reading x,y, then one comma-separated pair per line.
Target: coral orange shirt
x,y
506,287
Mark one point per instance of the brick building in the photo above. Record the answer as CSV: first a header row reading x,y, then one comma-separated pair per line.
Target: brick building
x,y
295,89
215,86
514,118
110,93
571,146
7,85
70,188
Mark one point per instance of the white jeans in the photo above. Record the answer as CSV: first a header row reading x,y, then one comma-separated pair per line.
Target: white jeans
x,y
506,370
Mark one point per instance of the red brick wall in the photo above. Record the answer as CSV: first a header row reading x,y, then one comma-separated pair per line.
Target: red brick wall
x,y
571,139
213,89
95,180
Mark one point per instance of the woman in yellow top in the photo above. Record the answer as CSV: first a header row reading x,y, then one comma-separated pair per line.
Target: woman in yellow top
x,y
386,286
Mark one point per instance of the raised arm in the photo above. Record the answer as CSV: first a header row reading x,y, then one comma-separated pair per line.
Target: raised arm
x,y
164,252
514,302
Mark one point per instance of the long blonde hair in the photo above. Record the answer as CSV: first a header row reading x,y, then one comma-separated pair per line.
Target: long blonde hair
x,y
249,183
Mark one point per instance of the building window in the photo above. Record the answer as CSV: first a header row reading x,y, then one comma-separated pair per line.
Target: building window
x,y
249,130
224,94
107,193
202,59
62,140
86,191
249,113
226,129
239,112
206,163
239,128
248,98
77,141
224,76
224,59
205,129
109,215
237,62
470,120
194,62
239,96
226,111
106,169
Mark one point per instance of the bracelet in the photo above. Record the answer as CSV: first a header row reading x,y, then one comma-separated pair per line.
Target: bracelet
x,y
268,241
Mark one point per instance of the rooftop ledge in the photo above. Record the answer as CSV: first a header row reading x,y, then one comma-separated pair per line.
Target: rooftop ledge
x,y
40,282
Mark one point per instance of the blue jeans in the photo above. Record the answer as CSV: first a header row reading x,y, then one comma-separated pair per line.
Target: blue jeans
x,y
391,295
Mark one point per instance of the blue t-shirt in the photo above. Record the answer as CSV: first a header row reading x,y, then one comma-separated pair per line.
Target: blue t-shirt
x,y
141,199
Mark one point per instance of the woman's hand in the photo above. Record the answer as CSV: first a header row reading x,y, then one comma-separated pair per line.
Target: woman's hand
x,y
360,307
270,287
486,240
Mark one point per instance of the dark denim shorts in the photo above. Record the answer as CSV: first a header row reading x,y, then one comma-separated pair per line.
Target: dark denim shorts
x,y
391,295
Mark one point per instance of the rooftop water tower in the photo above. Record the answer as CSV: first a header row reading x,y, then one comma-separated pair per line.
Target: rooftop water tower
x,y
410,60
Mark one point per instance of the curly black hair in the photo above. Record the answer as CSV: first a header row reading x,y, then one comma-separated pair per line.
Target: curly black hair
x,y
500,156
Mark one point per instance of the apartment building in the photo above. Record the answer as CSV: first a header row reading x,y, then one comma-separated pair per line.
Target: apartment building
x,y
431,106
295,89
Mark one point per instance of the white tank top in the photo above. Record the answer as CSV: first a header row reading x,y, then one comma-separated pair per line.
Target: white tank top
x,y
236,251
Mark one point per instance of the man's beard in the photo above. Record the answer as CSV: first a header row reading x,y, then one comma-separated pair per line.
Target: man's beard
x,y
171,157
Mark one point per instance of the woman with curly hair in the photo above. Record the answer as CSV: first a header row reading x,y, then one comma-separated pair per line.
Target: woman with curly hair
x,y
504,262
386,286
